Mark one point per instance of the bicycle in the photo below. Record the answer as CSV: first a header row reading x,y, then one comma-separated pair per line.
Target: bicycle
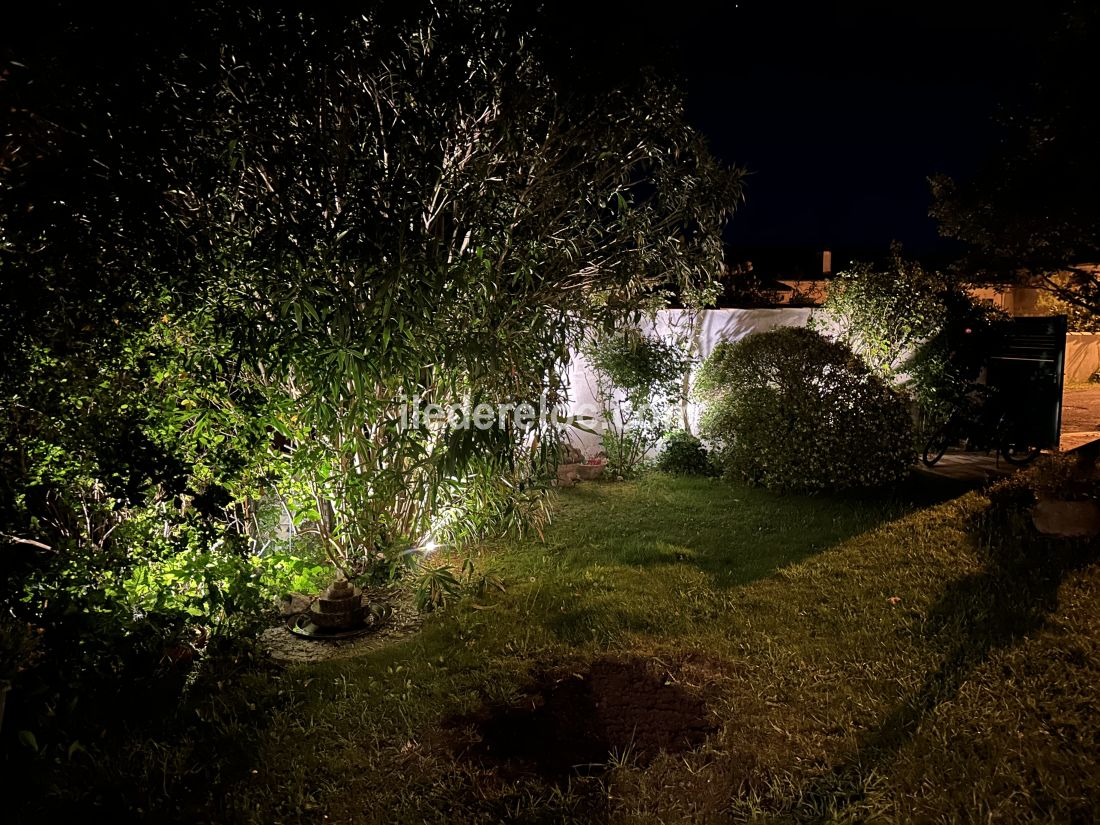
x,y
980,423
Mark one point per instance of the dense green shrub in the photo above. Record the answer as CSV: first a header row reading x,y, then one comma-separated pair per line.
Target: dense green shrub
x,y
792,410
919,329
639,383
684,455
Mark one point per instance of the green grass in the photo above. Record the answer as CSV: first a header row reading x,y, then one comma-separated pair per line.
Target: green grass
x,y
862,659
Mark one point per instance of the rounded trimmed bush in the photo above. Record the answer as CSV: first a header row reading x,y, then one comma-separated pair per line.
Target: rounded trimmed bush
x,y
684,455
790,409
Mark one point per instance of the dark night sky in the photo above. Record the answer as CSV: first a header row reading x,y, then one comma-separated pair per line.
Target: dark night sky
x,y
841,110
838,109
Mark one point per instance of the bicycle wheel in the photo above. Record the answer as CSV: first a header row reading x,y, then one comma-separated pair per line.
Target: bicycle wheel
x,y
1018,454
937,445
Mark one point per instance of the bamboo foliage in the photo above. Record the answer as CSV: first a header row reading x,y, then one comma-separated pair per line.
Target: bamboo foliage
x,y
357,211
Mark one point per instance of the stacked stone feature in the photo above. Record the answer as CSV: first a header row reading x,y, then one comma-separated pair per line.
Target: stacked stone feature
x,y
340,607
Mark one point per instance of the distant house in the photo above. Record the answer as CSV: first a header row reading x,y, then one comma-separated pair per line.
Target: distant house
x,y
1014,300
757,277
761,277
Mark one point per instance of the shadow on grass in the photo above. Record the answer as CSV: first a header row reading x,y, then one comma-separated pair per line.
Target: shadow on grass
x,y
628,556
735,534
976,616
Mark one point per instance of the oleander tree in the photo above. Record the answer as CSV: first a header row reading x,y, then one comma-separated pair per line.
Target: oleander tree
x,y
424,212
306,219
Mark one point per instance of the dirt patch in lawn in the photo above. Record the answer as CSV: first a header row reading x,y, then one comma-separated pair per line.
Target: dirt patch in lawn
x,y
577,721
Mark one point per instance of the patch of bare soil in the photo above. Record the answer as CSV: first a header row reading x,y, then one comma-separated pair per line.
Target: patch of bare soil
x,y
569,722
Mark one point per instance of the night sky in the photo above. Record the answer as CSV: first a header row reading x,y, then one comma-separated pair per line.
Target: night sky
x,y
842,110
839,110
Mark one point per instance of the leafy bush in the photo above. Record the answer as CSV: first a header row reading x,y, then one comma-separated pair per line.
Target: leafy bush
x,y
132,619
436,586
883,313
684,455
916,328
638,382
790,409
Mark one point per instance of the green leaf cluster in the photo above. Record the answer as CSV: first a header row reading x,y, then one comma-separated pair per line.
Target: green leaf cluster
x,y
920,330
639,383
683,454
790,409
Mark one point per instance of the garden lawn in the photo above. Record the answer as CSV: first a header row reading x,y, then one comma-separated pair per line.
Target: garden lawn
x,y
856,658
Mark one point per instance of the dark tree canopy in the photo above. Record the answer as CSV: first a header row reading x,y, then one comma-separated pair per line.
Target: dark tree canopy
x,y
390,139
1032,212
